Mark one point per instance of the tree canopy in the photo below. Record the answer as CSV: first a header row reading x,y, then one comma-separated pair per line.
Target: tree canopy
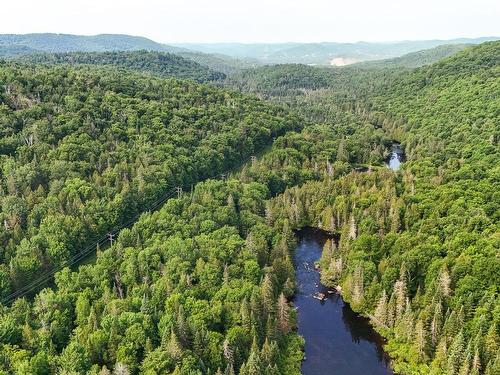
x,y
205,284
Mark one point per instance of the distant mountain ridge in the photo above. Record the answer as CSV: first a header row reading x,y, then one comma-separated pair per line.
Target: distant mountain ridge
x,y
323,53
57,43
237,55
416,59
16,45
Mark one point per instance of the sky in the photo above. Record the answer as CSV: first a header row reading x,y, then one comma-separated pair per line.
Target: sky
x,y
206,21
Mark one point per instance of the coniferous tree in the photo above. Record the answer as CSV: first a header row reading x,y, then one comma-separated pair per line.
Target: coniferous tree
x,y
405,329
269,353
440,360
245,315
380,314
228,355
181,327
272,370
121,369
491,344
445,282
420,340
267,292
391,311
283,314
493,366
253,365
358,285
436,323
400,292
272,329
475,368
173,347
456,354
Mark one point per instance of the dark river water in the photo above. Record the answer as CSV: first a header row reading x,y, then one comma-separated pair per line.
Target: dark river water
x,y
338,341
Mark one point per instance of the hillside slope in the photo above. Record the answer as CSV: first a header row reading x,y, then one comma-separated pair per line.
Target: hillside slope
x,y
418,249
52,43
417,59
84,149
156,63
323,53
218,62
205,284
282,79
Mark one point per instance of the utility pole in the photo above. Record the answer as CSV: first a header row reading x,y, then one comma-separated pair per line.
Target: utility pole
x,y
111,237
179,191
223,176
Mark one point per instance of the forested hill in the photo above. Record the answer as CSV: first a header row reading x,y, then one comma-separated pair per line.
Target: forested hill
x,y
157,63
451,105
419,249
218,62
84,149
293,81
205,284
37,43
416,59
325,53
345,84
282,79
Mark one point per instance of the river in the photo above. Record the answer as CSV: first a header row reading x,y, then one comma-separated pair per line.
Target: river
x,y
396,158
337,340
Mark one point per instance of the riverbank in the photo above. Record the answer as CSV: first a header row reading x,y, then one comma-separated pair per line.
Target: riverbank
x,y
336,338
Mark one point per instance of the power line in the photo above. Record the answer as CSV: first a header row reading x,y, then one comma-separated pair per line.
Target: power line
x,y
110,236
47,275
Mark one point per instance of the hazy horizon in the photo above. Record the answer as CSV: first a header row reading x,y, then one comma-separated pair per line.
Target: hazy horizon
x,y
332,41
259,21
283,42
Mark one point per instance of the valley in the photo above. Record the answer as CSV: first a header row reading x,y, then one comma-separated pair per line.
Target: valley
x,y
234,193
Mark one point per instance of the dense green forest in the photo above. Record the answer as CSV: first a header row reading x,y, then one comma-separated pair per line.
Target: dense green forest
x,y
299,79
160,64
286,78
10,44
296,83
418,250
218,62
205,285
184,291
417,59
83,150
